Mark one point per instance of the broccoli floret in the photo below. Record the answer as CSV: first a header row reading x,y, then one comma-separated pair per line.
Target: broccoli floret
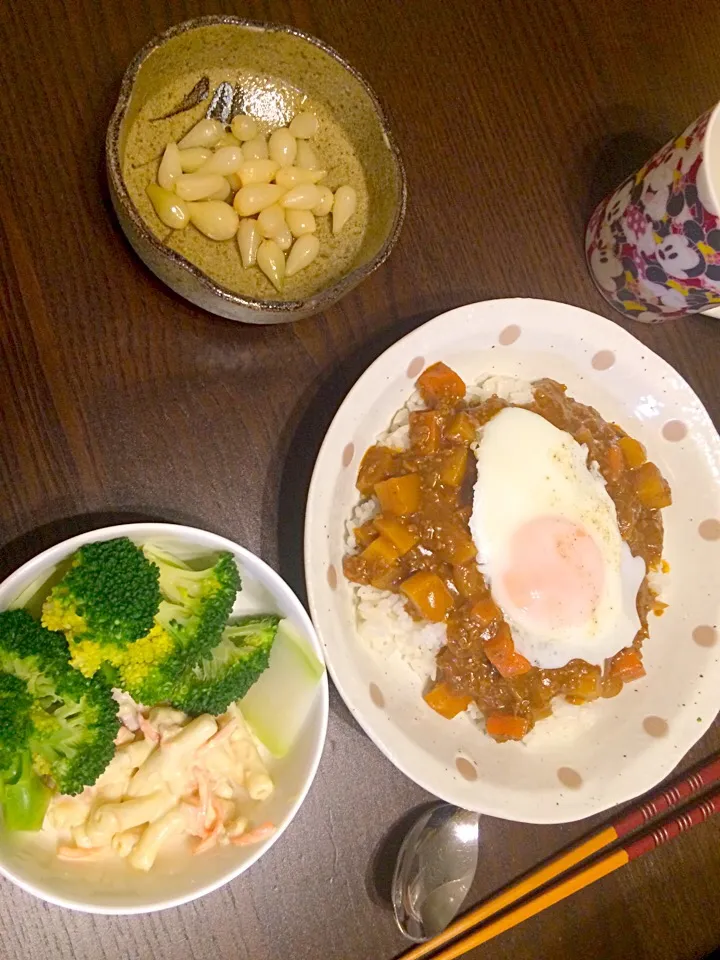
x,y
187,626
231,669
148,669
109,596
15,725
74,737
202,598
72,721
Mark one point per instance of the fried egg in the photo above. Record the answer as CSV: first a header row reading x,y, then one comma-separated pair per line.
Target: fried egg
x,y
549,545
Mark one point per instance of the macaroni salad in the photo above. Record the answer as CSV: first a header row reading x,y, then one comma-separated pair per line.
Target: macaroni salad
x,y
172,777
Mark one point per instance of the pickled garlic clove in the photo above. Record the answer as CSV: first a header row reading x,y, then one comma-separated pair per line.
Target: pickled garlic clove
x,y
256,149
282,147
228,140
244,127
198,186
222,193
306,156
170,168
303,252
271,221
248,240
216,219
205,133
173,211
255,197
257,171
300,222
271,261
289,177
326,202
193,158
224,161
304,125
304,196
344,206
283,238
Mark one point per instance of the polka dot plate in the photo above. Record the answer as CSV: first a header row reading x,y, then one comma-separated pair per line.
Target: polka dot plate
x,y
583,759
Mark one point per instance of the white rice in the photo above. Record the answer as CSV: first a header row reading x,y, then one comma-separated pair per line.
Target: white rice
x,y
383,623
388,629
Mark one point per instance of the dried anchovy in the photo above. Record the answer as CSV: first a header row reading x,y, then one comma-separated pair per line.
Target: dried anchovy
x,y
221,103
198,93
238,104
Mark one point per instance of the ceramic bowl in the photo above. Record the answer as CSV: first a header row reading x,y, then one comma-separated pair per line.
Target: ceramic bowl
x,y
298,62
583,759
114,888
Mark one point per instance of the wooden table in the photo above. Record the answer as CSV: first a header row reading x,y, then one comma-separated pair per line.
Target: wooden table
x,y
120,401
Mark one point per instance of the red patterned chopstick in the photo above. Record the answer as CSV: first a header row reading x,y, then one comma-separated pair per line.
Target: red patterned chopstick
x,y
664,800
668,798
671,828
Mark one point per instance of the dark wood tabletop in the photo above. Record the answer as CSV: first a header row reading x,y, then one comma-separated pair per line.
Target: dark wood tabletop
x,y
121,401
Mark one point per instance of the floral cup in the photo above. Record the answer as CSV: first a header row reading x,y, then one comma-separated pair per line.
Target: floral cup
x,y
653,246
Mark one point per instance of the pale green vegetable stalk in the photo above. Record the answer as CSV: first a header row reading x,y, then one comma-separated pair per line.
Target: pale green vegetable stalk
x,y
277,705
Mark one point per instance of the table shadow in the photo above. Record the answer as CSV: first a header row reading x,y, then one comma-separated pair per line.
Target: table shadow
x,y
299,444
14,553
604,163
379,874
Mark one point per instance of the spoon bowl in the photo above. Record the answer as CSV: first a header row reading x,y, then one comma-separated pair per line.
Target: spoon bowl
x,y
434,870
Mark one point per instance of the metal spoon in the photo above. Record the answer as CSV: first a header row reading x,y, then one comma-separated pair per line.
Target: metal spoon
x,y
434,870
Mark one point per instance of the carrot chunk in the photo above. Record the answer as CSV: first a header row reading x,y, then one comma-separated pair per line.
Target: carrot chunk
x,y
377,464
425,432
383,550
431,597
500,651
454,466
633,451
461,427
586,687
399,495
365,534
486,611
398,533
505,726
445,702
439,382
651,487
627,665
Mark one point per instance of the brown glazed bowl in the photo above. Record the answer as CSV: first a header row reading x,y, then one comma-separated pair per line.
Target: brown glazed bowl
x,y
306,64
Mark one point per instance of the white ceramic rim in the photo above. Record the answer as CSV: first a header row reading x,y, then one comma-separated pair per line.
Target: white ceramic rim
x,y
396,356
60,550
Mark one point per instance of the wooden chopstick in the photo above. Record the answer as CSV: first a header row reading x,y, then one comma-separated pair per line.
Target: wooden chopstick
x,y
665,831
661,802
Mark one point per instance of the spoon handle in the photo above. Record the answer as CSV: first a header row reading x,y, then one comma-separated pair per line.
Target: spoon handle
x,y
667,830
638,816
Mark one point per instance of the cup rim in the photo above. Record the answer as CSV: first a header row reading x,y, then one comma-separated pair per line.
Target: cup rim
x,y
323,297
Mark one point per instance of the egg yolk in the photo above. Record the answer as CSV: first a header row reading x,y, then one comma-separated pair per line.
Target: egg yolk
x,y
555,572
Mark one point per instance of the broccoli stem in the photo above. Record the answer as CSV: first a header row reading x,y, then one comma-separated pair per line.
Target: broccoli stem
x,y
25,797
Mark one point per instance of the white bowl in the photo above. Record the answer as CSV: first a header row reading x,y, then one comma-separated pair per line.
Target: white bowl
x,y
584,759
115,888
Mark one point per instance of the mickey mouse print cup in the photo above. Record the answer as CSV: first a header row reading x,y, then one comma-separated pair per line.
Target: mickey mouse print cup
x,y
653,246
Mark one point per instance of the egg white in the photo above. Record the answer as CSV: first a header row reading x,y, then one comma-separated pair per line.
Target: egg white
x,y
527,469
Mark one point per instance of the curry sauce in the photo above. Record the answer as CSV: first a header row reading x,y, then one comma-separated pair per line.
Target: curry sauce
x,y
419,546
